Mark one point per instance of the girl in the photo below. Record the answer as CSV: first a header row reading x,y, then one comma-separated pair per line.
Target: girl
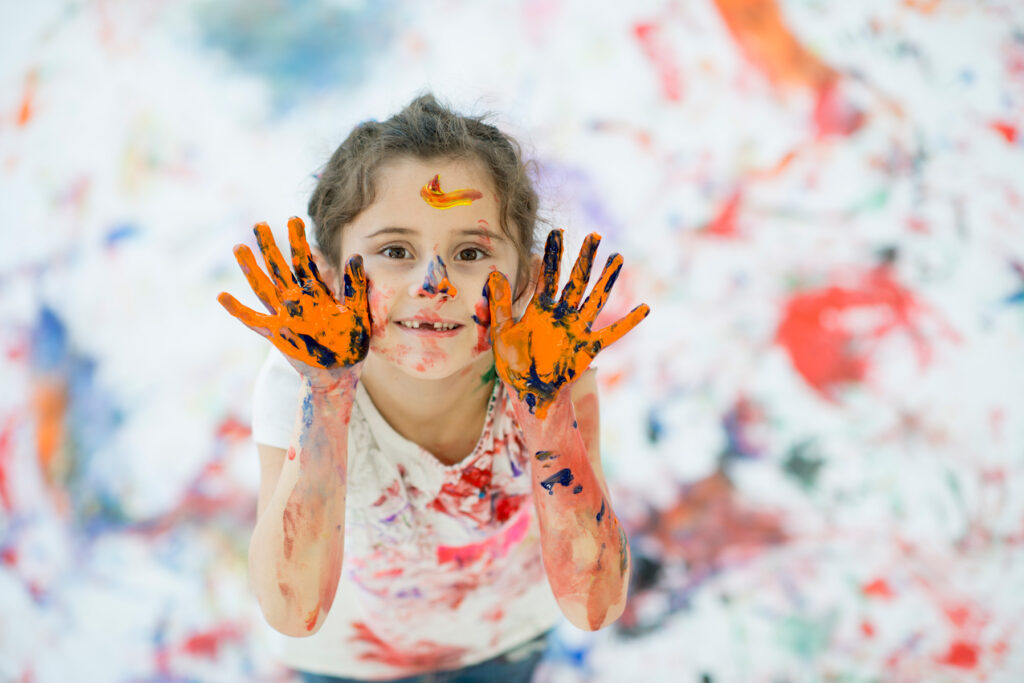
x,y
440,500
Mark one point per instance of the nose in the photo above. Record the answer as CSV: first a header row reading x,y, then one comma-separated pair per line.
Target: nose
x,y
436,282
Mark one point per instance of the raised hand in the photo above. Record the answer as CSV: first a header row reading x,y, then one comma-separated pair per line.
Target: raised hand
x,y
306,322
553,343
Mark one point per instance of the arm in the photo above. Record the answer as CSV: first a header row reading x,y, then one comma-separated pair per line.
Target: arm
x,y
296,550
586,554
295,554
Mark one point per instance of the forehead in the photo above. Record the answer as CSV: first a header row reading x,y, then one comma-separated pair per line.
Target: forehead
x,y
398,202
397,177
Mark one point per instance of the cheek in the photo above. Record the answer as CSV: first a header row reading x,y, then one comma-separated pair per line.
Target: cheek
x,y
380,306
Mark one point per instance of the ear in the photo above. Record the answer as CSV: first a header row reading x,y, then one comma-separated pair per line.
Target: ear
x,y
527,288
327,271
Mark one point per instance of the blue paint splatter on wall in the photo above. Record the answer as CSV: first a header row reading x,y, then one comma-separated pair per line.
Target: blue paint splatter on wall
x,y
298,48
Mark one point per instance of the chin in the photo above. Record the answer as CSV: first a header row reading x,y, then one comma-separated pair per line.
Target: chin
x,y
431,364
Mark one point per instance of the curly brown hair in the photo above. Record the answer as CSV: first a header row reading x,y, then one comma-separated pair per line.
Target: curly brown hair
x,y
424,129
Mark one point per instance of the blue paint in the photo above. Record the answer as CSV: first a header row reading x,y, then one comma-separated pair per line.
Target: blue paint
x,y
545,455
91,422
515,469
437,274
299,49
119,233
577,488
307,410
563,477
600,514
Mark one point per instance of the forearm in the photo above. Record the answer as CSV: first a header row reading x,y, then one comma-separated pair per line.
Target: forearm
x,y
585,551
295,554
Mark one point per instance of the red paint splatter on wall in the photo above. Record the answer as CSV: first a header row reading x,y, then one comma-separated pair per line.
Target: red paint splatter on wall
x,y
830,333
1007,130
658,50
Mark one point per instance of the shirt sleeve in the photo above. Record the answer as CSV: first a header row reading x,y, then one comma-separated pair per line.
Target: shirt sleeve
x,y
275,401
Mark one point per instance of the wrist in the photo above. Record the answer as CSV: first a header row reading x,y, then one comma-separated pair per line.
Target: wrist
x,y
331,381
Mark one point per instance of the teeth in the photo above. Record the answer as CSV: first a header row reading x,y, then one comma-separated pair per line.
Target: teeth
x,y
415,325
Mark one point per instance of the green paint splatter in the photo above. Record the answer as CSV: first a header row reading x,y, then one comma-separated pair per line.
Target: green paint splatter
x,y
802,464
806,637
489,376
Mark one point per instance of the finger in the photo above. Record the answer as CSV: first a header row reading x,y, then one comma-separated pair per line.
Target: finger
x,y
580,276
302,259
552,261
499,298
276,265
599,294
257,322
355,286
258,280
619,328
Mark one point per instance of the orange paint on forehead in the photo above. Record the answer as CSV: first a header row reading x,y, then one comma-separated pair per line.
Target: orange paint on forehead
x,y
432,195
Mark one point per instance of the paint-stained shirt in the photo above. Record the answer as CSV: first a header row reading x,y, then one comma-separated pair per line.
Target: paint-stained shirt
x,y
442,564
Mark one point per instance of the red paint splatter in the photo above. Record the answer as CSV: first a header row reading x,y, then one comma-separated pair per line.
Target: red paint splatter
x,y
658,50
818,328
291,452
506,507
476,477
209,643
834,114
233,429
495,547
867,629
724,223
6,455
878,588
961,654
1007,130
423,655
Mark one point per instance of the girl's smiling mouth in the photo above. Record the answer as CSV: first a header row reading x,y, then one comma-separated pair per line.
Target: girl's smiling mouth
x,y
429,324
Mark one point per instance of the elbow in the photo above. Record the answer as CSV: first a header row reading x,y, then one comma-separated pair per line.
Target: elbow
x,y
592,615
283,618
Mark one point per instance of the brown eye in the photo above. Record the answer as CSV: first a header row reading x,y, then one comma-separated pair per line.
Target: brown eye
x,y
395,252
471,254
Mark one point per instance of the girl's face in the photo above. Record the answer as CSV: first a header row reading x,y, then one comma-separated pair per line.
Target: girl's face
x,y
427,265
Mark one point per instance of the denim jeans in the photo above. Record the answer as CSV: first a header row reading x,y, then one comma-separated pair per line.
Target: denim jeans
x,y
514,666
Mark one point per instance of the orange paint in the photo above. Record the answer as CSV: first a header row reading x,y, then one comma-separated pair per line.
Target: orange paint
x,y
306,322
27,108
433,195
553,343
762,35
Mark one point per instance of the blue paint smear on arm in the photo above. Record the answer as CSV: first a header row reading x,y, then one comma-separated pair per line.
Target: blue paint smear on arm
x,y
563,477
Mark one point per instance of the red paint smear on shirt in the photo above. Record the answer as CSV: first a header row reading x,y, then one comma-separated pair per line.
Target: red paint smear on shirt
x,y
495,547
823,348
657,50
423,655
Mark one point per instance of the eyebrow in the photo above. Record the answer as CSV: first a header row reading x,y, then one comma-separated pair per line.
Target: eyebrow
x,y
475,232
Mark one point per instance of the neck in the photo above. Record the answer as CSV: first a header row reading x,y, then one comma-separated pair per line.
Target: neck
x,y
444,416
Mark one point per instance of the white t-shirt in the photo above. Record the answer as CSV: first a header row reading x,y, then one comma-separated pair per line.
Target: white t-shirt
x,y
442,565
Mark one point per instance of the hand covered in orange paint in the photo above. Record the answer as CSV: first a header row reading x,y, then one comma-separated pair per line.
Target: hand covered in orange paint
x,y
552,344
312,328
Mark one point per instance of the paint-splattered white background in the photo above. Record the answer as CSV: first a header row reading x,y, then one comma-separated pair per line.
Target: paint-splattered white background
x,y
817,438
